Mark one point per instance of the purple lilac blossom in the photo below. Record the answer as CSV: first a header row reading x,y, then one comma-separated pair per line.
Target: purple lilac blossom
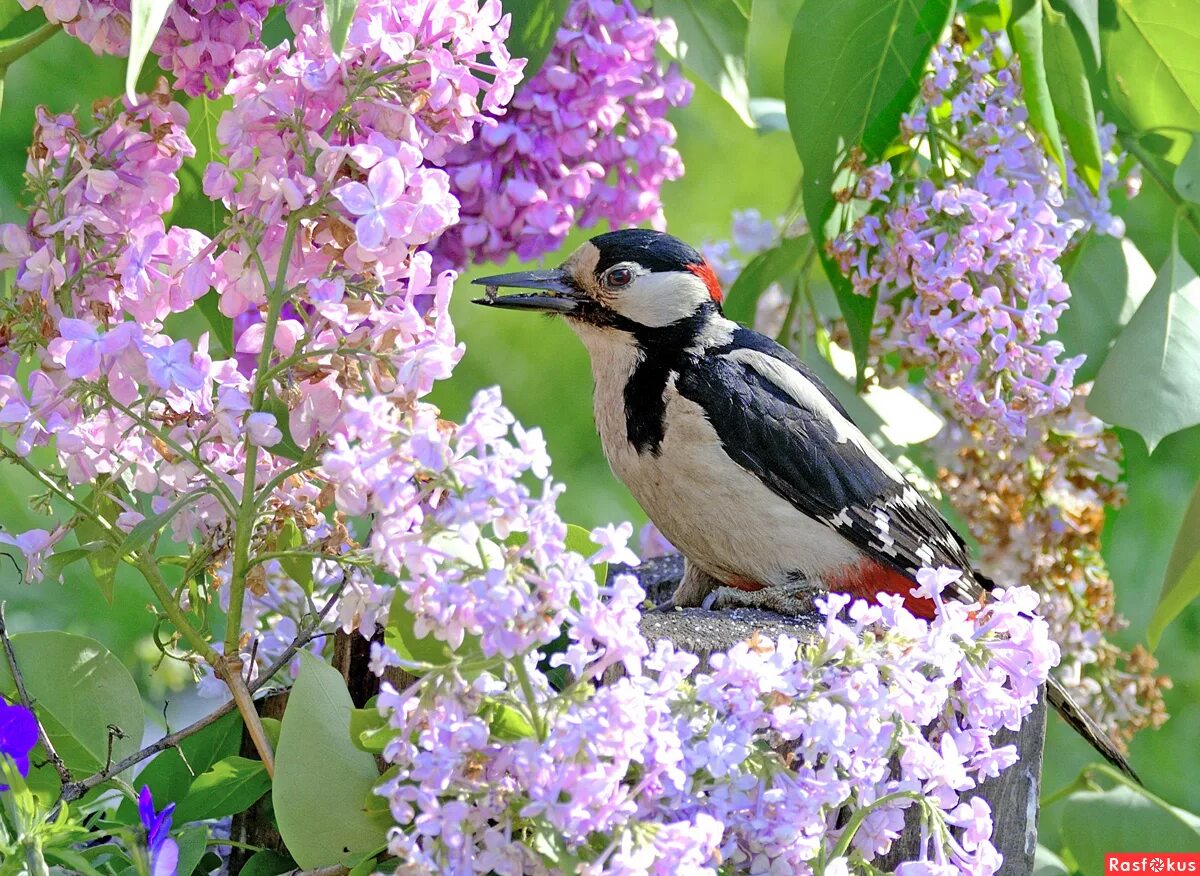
x,y
160,845
964,258
585,140
197,42
18,736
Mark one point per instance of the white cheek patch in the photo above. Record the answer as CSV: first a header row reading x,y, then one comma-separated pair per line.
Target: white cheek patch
x,y
659,299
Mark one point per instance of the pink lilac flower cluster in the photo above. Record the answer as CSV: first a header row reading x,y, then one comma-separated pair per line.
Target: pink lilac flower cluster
x,y
585,140
96,273
328,165
322,173
197,42
665,770
963,253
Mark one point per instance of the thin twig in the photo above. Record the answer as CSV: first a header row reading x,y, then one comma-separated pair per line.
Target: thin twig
x,y
61,768
75,790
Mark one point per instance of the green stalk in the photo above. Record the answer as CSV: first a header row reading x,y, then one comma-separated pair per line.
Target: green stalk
x,y
147,564
535,716
229,672
860,815
244,522
12,50
1134,147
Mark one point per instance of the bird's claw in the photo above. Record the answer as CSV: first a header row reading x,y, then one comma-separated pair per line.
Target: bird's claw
x,y
790,600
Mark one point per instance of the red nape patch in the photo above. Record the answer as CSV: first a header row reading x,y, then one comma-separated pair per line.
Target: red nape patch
x,y
705,272
868,578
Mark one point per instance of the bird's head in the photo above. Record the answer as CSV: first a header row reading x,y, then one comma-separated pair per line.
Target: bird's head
x,y
634,281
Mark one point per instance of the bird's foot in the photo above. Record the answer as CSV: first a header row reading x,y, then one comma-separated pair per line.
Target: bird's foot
x,y
788,599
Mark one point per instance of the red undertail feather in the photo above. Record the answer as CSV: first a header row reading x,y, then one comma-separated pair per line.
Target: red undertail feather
x,y
744,584
705,272
867,578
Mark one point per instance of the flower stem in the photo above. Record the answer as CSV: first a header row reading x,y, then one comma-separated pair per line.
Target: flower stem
x,y
244,523
12,50
535,715
229,671
860,815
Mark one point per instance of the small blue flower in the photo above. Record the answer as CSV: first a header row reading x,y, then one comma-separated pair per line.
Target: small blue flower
x,y
164,851
18,735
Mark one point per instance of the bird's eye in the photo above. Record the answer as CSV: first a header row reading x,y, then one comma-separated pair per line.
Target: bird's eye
x,y
618,277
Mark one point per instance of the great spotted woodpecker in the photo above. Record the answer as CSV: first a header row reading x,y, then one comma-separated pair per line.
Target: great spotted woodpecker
x,y
736,451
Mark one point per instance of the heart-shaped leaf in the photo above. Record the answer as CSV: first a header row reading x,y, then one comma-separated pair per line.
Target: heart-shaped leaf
x,y
321,779
1150,381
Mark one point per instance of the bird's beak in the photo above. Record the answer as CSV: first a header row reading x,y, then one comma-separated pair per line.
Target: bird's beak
x,y
559,294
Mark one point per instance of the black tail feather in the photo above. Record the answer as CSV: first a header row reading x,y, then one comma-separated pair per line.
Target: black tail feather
x,y
1083,724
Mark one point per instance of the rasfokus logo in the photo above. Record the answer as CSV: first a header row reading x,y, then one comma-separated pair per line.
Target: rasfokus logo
x,y
1152,862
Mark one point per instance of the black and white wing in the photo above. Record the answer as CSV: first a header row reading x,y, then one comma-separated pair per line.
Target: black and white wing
x,y
776,419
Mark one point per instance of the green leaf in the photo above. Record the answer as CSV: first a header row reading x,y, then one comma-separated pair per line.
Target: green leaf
x,y
1109,279
1072,94
9,10
102,559
267,863
505,721
535,24
1150,381
580,540
321,779
1027,31
78,688
1126,820
1150,218
1150,64
1187,175
1181,585
150,527
853,68
299,569
763,270
171,773
228,787
286,446
193,208
1087,14
221,325
145,19
401,636
1046,863
57,562
985,15
712,44
192,844
340,14
369,730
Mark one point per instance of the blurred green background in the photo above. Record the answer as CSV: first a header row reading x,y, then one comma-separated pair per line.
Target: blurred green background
x,y
544,375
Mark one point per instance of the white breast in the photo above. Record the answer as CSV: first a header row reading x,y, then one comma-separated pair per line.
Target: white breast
x,y
719,515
